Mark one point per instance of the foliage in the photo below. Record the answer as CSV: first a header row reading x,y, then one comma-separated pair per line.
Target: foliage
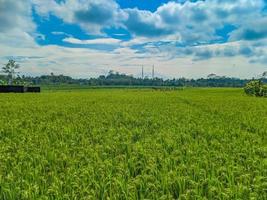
x,y
117,79
256,88
133,144
2,82
10,69
264,90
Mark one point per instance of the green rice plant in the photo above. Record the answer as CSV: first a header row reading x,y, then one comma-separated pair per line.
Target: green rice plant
x,y
133,144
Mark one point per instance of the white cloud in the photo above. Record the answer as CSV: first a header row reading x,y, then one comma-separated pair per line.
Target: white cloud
x,y
252,30
104,41
16,25
194,22
15,14
61,33
160,34
79,62
91,15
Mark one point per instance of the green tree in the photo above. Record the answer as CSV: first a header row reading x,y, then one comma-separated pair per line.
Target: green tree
x,y
256,88
10,69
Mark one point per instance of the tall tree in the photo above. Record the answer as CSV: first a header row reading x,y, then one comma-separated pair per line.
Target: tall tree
x,y
264,75
10,69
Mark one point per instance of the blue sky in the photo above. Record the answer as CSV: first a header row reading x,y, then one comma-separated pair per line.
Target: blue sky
x,y
182,38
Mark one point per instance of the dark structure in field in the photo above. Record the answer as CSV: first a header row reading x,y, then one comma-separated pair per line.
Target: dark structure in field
x,y
32,89
18,89
11,88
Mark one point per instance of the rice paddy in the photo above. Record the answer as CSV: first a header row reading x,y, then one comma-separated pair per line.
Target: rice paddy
x,y
133,144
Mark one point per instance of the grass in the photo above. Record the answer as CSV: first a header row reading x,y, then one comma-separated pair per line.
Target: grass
x,y
133,144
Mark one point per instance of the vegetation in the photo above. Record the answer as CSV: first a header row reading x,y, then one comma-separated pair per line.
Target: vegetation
x,y
256,88
117,79
11,70
133,144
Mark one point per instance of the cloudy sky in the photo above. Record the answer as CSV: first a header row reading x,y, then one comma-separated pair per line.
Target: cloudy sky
x,y
182,38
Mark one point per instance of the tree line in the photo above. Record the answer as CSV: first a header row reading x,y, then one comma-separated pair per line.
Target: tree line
x,y
116,79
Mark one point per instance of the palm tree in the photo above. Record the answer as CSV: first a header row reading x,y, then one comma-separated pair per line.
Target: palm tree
x,y
10,69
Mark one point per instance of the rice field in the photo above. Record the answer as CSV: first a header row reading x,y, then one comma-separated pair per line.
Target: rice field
x,y
133,144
